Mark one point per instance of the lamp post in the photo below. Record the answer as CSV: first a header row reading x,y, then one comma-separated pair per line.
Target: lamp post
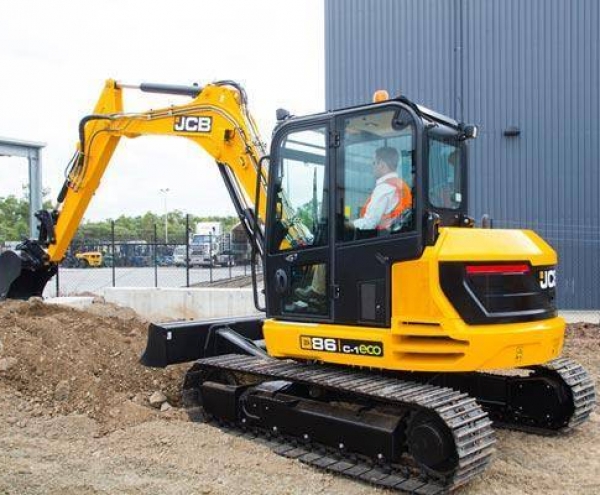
x,y
164,192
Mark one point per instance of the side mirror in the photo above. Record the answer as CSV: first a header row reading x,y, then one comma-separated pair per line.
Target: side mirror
x,y
470,131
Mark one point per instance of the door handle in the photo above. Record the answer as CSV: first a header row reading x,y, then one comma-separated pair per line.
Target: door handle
x,y
281,281
384,260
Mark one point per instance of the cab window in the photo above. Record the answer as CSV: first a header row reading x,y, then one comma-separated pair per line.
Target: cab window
x,y
302,194
376,175
444,174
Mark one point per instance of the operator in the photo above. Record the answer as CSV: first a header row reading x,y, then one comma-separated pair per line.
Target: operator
x,y
390,197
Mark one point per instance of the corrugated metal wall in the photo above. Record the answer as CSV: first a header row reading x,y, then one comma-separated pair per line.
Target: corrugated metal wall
x,y
532,64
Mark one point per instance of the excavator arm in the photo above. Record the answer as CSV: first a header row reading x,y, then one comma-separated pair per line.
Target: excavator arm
x,y
217,119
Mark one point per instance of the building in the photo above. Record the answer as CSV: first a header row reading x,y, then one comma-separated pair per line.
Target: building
x,y
527,72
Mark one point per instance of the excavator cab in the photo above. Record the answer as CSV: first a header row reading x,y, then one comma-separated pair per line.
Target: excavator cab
x,y
331,170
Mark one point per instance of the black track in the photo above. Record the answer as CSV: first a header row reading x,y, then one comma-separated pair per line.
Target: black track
x,y
469,425
583,391
551,399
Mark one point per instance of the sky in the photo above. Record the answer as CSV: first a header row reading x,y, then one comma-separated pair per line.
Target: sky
x,y
55,57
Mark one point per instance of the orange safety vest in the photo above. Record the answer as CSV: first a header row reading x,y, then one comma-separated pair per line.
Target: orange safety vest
x,y
403,201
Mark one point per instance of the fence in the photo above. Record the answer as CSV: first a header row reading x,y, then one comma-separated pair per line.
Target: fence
x,y
153,257
144,259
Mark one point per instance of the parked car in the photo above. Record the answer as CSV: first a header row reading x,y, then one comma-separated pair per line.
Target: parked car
x,y
225,258
165,260
139,260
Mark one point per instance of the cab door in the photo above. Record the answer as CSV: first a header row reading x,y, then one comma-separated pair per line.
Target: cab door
x,y
377,165
298,242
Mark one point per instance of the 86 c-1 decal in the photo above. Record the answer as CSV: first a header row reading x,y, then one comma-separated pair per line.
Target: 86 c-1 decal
x,y
342,346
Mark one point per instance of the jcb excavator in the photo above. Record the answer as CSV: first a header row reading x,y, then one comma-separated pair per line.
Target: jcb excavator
x,y
375,356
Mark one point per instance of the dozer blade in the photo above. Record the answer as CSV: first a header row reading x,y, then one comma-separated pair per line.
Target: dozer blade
x,y
185,341
22,275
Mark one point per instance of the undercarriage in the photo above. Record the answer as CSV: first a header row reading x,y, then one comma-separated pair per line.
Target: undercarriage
x,y
398,434
419,433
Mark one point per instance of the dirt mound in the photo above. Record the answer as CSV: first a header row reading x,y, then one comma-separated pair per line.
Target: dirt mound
x,y
585,331
55,361
58,360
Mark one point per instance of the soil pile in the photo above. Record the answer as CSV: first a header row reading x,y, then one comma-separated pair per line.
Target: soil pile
x,y
58,360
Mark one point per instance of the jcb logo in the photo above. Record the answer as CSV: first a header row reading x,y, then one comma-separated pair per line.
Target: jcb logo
x,y
547,279
192,123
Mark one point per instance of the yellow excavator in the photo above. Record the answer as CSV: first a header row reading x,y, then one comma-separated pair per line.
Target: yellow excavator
x,y
377,354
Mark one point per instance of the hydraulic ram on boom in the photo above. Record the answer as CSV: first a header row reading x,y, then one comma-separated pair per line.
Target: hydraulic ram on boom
x,y
217,119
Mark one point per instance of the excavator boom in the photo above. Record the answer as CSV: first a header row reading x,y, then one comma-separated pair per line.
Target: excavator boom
x,y
217,119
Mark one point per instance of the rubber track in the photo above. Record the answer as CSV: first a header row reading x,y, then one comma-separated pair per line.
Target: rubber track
x,y
470,426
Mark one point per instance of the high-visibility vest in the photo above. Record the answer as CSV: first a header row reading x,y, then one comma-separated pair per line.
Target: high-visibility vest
x,y
403,198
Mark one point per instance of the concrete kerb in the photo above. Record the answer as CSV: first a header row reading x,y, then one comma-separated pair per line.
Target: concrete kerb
x,y
162,304
581,316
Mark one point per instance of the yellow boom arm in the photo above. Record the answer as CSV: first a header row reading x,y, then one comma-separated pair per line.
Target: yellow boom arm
x,y
217,119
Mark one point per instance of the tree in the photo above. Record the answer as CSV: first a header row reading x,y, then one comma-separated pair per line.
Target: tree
x,y
141,227
14,224
14,218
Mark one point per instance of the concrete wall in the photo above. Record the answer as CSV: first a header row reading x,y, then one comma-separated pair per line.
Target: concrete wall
x,y
183,304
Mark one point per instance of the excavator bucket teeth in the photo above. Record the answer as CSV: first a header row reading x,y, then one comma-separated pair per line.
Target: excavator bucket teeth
x,y
20,279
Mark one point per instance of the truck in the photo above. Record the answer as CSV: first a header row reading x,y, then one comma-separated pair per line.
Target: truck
x,y
205,247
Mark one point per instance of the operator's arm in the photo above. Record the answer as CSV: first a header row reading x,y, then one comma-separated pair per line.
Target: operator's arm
x,y
381,202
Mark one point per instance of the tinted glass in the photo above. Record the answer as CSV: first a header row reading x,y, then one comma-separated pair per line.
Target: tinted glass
x,y
308,290
377,175
303,195
444,174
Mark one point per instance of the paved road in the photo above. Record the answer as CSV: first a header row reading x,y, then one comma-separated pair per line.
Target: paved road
x,y
77,280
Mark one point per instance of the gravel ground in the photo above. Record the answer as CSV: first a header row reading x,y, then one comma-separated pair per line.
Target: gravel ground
x,y
76,418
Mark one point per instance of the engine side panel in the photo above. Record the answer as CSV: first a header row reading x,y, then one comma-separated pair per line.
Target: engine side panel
x,y
427,332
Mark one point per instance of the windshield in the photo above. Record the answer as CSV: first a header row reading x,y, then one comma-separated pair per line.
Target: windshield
x,y
445,159
202,238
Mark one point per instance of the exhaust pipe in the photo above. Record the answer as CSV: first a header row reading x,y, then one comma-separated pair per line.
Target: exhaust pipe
x,y
25,272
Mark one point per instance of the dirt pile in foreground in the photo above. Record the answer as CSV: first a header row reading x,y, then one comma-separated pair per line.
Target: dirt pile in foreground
x,y
58,360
